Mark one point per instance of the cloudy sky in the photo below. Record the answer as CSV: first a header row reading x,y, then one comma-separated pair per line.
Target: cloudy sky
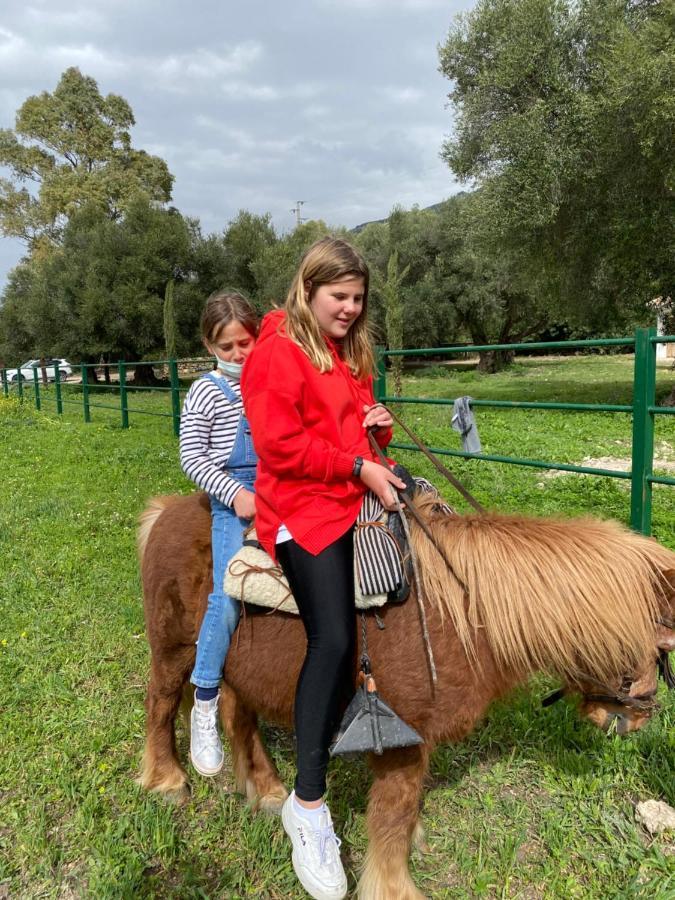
x,y
256,104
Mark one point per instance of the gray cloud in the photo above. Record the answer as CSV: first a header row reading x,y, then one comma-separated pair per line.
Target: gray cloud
x,y
256,105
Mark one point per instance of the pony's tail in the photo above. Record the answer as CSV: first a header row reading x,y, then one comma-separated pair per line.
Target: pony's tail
x,y
146,521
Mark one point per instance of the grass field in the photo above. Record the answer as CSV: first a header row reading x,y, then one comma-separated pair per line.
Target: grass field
x,y
535,804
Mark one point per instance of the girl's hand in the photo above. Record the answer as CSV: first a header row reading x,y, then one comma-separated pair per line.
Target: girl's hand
x,y
379,480
244,504
377,416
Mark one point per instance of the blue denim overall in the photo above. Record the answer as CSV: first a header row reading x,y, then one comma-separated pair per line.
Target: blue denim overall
x,y
222,613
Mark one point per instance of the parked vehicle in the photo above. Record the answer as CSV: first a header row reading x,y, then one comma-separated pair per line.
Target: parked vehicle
x,y
25,370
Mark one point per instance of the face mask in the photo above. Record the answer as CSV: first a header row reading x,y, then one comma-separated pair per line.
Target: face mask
x,y
232,370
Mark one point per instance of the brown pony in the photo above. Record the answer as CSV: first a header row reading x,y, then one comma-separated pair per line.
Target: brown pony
x,y
588,600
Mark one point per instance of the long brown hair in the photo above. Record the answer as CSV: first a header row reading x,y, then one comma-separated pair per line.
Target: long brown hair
x,y
329,260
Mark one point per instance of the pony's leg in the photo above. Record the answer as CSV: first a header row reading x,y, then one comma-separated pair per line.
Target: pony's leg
x,y
160,770
255,774
392,819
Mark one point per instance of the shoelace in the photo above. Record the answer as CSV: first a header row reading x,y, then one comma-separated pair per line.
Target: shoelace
x,y
326,837
206,723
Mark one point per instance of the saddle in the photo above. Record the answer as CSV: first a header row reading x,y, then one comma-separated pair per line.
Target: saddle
x,y
382,565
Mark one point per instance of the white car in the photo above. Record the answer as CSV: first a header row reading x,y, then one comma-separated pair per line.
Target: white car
x,y
25,370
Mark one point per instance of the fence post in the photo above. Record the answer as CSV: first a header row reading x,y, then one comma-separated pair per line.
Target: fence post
x,y
36,388
175,396
5,385
380,386
19,381
644,390
57,384
122,373
85,394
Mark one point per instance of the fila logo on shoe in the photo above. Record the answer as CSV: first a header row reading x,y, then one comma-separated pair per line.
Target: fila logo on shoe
x,y
302,836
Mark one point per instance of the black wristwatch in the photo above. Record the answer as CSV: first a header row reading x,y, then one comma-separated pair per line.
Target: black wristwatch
x,y
358,465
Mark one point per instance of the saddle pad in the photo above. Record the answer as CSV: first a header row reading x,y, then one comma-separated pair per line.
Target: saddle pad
x,y
252,577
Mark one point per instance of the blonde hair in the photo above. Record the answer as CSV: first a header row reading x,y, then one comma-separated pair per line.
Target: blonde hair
x,y
329,260
223,307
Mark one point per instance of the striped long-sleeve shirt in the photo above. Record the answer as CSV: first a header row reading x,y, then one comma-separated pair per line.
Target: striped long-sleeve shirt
x,y
208,428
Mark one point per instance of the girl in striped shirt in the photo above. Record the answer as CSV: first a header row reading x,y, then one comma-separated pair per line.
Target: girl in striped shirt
x,y
216,452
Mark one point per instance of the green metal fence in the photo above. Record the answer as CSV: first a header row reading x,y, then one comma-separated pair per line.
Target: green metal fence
x,y
117,383
643,409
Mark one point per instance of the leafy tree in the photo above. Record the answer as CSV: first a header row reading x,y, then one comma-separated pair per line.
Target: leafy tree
x,y
209,271
391,291
565,119
414,236
16,332
244,240
69,149
494,297
101,293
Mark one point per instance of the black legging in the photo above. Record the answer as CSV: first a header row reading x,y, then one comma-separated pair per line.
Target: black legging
x,y
323,587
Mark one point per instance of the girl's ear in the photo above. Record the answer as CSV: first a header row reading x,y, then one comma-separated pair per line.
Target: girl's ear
x,y
308,287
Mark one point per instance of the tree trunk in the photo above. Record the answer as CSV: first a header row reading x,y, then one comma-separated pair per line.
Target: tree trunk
x,y
92,374
492,361
670,399
397,375
144,376
43,371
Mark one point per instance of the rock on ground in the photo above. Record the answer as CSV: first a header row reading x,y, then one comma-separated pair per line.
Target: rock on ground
x,y
655,815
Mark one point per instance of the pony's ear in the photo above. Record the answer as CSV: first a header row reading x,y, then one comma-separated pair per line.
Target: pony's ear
x,y
669,587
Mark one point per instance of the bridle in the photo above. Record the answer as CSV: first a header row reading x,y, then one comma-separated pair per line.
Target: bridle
x,y
642,703
663,663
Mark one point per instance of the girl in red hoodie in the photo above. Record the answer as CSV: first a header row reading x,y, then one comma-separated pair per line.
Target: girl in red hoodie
x,y
307,389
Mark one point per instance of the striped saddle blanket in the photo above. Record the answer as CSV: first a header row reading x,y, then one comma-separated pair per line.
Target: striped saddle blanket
x,y
380,561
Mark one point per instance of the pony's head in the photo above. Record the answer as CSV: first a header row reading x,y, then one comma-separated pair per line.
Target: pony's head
x,y
630,702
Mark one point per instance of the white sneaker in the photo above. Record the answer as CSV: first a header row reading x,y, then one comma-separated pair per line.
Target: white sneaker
x,y
316,853
206,750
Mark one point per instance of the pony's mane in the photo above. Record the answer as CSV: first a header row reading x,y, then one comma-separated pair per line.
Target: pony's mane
x,y
578,597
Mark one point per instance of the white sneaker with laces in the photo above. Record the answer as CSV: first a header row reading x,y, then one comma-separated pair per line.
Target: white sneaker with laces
x,y
206,749
316,853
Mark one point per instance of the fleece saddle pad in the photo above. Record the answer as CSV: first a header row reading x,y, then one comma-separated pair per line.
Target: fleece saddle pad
x,y
379,561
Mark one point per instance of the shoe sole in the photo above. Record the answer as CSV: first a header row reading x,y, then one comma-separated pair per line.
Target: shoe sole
x,y
207,773
317,894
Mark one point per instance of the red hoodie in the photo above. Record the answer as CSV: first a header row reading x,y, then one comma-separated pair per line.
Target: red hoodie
x,y
307,429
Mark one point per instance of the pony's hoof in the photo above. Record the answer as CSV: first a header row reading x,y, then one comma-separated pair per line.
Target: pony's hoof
x,y
178,796
176,791
419,840
271,803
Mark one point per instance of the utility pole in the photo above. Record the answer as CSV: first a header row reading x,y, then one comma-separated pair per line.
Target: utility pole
x,y
296,211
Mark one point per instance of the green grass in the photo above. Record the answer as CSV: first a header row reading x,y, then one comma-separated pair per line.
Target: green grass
x,y
534,804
